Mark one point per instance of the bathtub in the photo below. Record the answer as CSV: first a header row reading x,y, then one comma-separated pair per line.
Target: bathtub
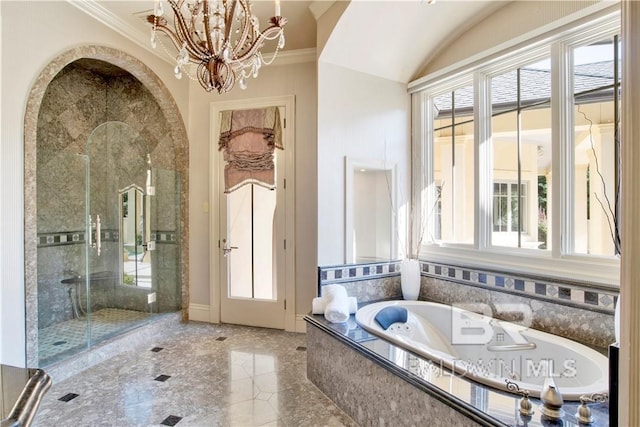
x,y
489,351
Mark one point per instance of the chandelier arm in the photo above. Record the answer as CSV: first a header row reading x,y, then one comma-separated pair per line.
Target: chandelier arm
x,y
207,27
246,27
182,34
268,34
163,28
229,11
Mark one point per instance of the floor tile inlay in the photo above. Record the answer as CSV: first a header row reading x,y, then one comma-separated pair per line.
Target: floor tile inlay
x,y
171,420
68,397
257,377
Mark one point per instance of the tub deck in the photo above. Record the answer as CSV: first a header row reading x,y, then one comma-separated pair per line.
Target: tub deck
x,y
375,381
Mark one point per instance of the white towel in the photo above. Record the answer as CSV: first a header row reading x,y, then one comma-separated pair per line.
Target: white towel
x,y
337,310
319,304
333,291
337,303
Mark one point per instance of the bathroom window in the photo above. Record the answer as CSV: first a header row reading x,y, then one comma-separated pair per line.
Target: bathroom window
x,y
437,214
453,162
521,150
596,160
510,207
521,157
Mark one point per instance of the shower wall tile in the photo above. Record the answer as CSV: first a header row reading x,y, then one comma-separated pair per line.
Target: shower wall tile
x,y
168,295
76,104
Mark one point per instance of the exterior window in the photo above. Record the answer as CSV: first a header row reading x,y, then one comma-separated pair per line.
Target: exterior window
x,y
521,145
522,159
508,206
596,118
437,214
453,155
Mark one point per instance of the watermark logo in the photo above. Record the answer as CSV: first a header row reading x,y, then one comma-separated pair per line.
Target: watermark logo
x,y
474,323
546,368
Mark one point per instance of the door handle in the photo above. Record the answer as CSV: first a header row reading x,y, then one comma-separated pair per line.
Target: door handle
x,y
95,241
98,237
226,249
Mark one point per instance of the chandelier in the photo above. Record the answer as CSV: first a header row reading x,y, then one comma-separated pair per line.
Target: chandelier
x,y
219,39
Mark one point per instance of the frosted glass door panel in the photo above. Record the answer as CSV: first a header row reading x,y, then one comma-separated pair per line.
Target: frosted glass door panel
x,y
251,210
264,206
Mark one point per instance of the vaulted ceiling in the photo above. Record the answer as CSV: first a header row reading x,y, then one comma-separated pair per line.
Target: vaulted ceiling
x,y
391,39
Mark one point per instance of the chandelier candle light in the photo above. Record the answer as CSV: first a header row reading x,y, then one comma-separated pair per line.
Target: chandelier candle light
x,y
221,38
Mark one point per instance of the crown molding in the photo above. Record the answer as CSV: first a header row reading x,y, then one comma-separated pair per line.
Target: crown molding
x,y
297,56
113,21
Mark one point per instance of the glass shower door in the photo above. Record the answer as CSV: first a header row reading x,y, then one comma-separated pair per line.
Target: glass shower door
x,y
119,250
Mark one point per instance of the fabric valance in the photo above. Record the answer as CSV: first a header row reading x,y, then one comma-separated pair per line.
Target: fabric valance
x,y
248,138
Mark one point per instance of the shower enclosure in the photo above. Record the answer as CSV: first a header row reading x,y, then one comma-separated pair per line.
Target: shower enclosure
x,y
108,234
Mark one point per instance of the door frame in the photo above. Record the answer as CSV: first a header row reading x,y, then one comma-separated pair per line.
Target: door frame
x,y
216,281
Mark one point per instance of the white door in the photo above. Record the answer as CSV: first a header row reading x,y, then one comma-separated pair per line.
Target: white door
x,y
252,250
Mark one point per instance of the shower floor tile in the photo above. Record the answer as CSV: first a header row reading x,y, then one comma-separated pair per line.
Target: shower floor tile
x,y
68,337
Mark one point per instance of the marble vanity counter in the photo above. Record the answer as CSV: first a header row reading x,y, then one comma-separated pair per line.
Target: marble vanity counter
x,y
22,390
483,405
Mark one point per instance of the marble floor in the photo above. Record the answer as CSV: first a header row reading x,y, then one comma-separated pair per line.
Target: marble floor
x,y
197,374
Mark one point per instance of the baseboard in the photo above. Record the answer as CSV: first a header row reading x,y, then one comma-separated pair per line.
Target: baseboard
x,y
199,312
301,325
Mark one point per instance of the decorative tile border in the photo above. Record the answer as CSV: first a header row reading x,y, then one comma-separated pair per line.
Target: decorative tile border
x,y
559,291
555,290
165,237
78,237
355,272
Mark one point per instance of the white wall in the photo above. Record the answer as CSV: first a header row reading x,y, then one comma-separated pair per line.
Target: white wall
x,y
34,33
513,20
294,79
359,116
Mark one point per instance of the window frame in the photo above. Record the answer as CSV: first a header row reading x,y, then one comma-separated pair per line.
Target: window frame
x,y
560,261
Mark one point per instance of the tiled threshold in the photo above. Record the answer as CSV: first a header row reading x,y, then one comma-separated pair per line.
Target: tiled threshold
x,y
140,337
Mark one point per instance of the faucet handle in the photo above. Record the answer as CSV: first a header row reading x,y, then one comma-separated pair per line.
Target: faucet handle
x,y
583,413
526,408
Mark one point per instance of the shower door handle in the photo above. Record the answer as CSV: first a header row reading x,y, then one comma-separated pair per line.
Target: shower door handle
x,y
98,240
98,237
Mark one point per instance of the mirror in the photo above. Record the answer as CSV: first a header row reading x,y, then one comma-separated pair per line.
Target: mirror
x,y
370,220
135,237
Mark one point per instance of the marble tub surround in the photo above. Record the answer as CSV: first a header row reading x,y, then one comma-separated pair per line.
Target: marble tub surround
x,y
578,322
366,282
197,374
579,311
378,383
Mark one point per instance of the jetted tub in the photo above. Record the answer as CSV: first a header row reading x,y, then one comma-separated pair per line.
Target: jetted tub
x,y
487,350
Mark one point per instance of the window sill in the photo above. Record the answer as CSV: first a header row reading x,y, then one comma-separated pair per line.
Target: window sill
x,y
591,271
